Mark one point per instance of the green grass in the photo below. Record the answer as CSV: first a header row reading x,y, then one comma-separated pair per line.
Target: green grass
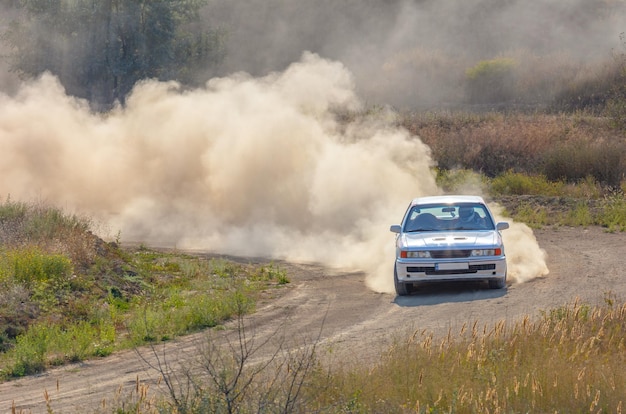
x,y
61,304
608,212
538,201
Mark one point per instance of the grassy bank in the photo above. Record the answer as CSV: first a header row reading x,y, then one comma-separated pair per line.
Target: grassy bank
x,y
66,295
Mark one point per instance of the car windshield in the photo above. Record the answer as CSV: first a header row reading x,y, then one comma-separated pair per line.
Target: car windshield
x,y
448,217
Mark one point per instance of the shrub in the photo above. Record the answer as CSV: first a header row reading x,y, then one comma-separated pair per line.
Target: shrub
x,y
581,215
490,81
561,148
512,183
32,266
46,277
613,215
605,161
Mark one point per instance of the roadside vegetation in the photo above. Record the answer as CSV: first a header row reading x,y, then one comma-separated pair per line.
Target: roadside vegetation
x,y
567,169
66,295
567,360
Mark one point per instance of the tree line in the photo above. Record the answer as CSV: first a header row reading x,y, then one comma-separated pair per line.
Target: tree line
x,y
99,49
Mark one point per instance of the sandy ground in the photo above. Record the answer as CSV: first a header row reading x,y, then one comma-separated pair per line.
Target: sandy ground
x,y
335,310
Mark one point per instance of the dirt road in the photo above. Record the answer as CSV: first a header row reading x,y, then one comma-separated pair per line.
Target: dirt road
x,y
588,264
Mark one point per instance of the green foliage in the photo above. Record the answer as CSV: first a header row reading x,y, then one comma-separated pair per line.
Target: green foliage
x,y
52,311
532,215
50,343
581,215
45,276
490,81
614,213
512,183
178,315
31,266
490,68
271,272
460,180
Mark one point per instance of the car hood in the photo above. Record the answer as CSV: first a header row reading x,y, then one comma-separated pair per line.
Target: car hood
x,y
459,240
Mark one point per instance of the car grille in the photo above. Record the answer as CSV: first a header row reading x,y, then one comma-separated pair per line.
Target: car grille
x,y
449,254
430,270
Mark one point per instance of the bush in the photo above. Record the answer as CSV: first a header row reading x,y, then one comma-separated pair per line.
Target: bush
x,y
490,81
566,148
614,213
511,183
600,91
32,266
606,162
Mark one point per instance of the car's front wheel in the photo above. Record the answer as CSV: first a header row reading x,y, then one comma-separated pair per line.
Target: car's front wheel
x,y
497,283
402,289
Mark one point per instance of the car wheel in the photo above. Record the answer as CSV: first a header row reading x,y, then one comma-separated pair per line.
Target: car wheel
x,y
497,283
402,289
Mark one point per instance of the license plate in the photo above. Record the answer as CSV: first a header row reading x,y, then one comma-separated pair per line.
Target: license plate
x,y
451,266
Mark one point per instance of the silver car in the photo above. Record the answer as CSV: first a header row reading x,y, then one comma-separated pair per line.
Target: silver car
x,y
448,238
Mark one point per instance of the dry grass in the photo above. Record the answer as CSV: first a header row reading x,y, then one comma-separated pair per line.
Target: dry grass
x,y
570,360
560,147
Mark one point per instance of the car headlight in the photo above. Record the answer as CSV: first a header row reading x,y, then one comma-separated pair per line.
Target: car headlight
x,y
486,252
420,254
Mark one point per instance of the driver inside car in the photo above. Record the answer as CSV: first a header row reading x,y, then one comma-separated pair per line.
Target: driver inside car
x,y
468,217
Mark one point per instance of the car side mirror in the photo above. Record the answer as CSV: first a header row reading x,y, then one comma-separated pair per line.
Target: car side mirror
x,y
503,225
395,228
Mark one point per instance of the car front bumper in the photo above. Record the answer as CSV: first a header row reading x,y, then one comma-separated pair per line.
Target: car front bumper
x,y
429,270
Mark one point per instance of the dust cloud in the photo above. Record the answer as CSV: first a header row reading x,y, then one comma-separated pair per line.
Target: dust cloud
x,y
525,259
265,166
414,53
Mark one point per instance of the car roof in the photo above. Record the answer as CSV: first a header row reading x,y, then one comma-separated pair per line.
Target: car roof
x,y
448,199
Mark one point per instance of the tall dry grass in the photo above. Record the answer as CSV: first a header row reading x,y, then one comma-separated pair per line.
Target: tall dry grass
x,y
568,147
569,360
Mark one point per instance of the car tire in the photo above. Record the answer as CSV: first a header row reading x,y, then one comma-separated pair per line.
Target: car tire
x,y
402,289
497,283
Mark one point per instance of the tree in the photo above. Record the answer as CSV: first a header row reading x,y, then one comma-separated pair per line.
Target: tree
x,y
99,49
